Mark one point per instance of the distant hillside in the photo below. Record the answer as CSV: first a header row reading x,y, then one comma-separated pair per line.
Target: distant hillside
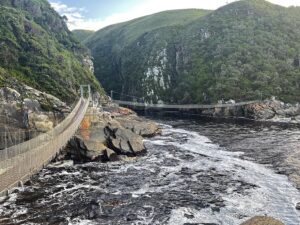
x,y
245,50
81,35
36,48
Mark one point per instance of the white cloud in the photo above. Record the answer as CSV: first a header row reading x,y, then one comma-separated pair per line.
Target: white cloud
x,y
74,15
286,3
76,20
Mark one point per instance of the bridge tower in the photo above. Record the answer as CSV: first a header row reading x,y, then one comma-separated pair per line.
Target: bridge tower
x,y
82,92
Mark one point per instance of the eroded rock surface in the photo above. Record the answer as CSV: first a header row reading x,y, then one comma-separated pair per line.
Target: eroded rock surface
x,y
26,112
107,135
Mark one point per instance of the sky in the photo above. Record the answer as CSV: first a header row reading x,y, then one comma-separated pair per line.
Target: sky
x,y
96,14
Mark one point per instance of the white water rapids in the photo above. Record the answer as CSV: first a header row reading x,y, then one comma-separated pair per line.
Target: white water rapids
x,y
184,179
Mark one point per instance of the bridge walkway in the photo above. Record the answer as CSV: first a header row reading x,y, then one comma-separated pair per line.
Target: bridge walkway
x,y
18,163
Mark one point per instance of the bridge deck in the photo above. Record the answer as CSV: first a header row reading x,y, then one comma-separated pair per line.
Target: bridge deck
x,y
195,106
18,163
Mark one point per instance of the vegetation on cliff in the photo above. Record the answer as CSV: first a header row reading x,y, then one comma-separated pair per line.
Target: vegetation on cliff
x,y
245,50
82,35
36,48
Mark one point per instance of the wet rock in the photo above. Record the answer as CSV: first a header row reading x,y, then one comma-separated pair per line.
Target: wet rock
x,y
110,155
262,220
131,217
298,206
83,149
124,141
61,164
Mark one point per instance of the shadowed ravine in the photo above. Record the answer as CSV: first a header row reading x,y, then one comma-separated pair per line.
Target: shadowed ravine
x,y
184,179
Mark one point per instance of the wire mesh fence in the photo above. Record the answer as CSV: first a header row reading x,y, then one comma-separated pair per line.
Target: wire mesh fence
x,y
20,161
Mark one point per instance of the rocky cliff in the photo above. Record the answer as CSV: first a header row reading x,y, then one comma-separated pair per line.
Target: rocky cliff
x,y
245,50
37,49
26,112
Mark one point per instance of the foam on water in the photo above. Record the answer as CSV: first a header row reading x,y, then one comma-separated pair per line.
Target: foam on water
x,y
274,196
184,178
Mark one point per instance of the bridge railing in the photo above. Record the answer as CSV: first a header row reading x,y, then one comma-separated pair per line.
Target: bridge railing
x,y
19,162
191,106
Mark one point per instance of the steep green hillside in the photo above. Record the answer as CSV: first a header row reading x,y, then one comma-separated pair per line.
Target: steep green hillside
x,y
244,50
37,48
81,35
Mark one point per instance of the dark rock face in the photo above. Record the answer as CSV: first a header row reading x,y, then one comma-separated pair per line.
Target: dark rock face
x,y
298,206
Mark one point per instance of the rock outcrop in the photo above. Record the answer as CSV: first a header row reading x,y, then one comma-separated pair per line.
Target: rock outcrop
x,y
110,135
273,110
262,220
270,110
26,112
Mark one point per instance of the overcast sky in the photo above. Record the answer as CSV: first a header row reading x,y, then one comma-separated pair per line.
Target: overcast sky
x,y
96,14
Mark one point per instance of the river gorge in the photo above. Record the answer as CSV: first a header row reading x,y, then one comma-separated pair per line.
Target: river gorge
x,y
195,172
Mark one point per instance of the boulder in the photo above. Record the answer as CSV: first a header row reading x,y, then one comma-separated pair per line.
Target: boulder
x,y
82,149
262,111
40,122
298,206
289,112
262,220
124,141
110,155
61,164
110,135
32,105
144,128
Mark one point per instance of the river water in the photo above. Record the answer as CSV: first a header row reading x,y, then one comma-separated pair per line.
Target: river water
x,y
195,173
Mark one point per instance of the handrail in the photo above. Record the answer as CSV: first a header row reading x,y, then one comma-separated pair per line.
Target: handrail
x,y
19,162
190,106
34,142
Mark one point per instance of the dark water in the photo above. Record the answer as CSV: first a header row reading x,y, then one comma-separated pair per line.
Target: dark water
x,y
195,173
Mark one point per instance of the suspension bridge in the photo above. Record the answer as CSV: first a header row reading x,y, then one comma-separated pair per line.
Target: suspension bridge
x,y
144,105
19,162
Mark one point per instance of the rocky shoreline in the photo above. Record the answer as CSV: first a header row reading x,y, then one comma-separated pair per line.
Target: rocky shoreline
x,y
269,110
113,133
109,134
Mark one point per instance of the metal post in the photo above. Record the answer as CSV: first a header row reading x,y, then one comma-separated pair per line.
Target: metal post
x,y
5,143
89,87
81,91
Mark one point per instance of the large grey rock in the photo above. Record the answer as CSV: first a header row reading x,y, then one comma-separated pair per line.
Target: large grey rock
x,y
32,105
289,112
86,150
124,141
109,135
145,128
